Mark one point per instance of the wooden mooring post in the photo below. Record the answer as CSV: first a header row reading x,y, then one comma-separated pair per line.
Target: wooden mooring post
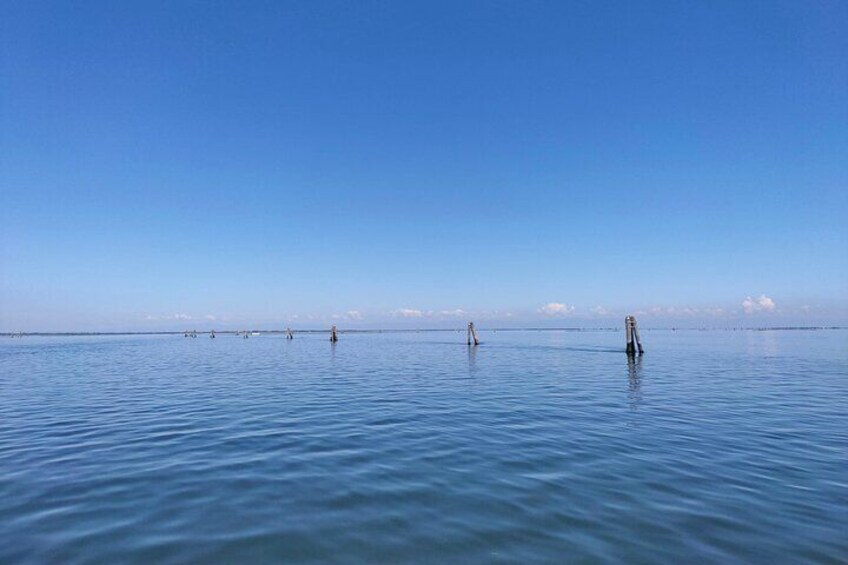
x,y
289,334
634,344
334,335
472,334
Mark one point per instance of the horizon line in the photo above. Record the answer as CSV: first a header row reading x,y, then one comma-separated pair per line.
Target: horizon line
x,y
418,330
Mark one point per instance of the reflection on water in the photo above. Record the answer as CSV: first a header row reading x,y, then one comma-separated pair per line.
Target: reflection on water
x,y
634,376
472,359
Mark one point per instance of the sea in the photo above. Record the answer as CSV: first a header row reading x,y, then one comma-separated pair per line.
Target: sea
x,y
723,446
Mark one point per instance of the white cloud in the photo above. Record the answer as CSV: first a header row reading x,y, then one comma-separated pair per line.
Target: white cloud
x,y
761,304
556,309
353,315
674,311
408,313
150,317
210,317
682,312
599,311
457,313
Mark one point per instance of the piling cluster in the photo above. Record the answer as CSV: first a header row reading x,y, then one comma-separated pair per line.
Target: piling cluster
x,y
634,344
472,334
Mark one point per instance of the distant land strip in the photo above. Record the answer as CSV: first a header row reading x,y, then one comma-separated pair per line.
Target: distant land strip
x,y
422,330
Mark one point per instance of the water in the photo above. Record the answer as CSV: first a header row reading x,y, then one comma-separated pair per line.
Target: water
x,y
536,446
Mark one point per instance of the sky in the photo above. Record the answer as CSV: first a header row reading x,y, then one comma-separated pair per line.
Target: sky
x,y
169,165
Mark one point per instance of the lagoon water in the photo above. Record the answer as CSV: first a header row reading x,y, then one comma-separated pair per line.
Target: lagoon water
x,y
719,446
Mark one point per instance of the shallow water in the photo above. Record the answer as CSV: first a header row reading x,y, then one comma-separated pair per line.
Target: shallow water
x,y
535,446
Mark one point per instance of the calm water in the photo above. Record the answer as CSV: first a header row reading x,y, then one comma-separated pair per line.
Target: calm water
x,y
535,446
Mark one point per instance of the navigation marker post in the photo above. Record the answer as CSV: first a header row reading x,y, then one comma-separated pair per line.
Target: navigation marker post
x,y
634,344
472,334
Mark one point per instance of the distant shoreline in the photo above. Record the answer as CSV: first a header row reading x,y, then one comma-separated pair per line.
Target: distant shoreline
x,y
421,330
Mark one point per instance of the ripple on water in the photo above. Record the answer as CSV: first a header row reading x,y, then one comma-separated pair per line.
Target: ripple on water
x,y
536,446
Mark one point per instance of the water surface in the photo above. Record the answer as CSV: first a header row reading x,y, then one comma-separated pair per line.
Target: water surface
x,y
535,446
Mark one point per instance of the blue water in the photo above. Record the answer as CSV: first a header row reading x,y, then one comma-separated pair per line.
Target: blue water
x,y
535,446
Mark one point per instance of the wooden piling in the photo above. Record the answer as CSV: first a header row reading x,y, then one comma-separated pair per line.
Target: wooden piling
x,y
631,329
636,336
472,334
334,335
289,334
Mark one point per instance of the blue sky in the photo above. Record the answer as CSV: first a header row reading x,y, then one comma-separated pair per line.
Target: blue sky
x,y
393,164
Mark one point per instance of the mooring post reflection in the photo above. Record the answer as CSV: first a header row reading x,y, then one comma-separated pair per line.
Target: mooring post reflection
x,y
634,376
472,359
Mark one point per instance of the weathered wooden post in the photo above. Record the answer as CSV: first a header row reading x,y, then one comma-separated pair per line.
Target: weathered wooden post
x,y
472,334
212,334
634,344
333,335
636,336
289,334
